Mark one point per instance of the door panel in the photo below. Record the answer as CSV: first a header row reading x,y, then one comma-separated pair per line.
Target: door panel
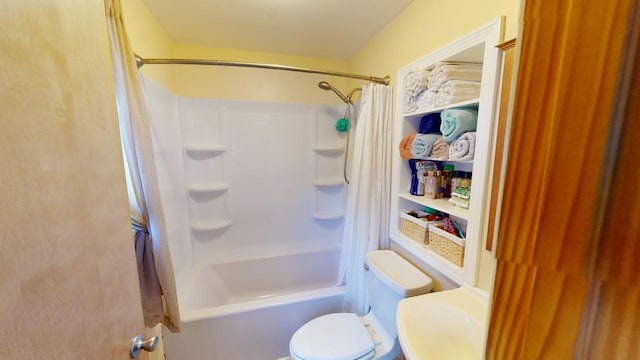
x,y
67,268
555,295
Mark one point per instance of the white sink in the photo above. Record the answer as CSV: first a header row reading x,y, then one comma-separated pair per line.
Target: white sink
x,y
442,325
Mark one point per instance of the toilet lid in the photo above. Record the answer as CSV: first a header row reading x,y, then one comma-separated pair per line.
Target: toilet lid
x,y
332,337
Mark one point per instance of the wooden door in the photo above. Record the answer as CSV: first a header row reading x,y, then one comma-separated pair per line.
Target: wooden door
x,y
566,285
68,281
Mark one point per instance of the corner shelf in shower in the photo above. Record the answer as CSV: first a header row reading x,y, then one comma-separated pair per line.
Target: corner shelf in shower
x,y
209,226
328,215
328,182
208,188
205,149
332,150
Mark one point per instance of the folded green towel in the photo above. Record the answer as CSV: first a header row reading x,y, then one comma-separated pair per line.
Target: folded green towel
x,y
457,121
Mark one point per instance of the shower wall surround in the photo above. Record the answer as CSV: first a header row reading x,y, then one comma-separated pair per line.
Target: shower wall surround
x,y
242,180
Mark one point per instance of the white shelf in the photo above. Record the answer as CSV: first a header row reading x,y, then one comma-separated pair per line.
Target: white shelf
x,y
328,215
446,267
208,188
422,112
438,204
205,149
329,150
213,225
449,160
329,182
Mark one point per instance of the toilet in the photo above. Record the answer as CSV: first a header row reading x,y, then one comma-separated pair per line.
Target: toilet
x,y
345,336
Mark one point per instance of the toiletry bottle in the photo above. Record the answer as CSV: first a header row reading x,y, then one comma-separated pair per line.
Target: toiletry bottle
x,y
466,180
448,176
446,183
455,180
439,187
430,185
417,181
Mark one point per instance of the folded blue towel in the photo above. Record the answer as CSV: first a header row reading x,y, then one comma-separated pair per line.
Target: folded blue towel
x,y
430,124
456,121
422,145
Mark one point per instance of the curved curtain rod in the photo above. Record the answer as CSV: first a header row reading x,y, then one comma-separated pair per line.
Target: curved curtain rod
x,y
140,62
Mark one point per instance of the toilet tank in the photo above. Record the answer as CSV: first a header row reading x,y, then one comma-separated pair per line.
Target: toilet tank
x,y
390,278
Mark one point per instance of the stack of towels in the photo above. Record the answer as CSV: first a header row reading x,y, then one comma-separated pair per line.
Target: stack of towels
x,y
447,135
415,82
447,83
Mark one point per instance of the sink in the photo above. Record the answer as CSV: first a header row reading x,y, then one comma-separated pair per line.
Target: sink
x,y
448,324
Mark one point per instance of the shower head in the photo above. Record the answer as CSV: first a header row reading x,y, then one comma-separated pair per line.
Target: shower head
x,y
326,86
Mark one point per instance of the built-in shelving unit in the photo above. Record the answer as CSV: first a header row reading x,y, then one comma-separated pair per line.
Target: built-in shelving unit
x,y
328,151
477,47
206,187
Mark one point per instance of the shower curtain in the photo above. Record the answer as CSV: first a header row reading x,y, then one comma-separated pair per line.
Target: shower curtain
x,y
367,209
155,270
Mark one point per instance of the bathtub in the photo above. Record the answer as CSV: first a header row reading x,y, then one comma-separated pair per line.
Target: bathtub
x,y
249,309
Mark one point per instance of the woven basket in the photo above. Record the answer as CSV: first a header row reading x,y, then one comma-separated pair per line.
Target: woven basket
x,y
416,229
446,245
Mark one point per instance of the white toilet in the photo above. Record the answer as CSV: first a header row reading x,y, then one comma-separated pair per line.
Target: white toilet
x,y
345,336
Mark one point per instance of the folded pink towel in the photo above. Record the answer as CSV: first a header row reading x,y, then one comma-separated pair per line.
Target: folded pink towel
x,y
440,149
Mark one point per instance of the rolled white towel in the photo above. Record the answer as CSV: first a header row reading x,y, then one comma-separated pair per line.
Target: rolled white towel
x,y
457,90
415,81
460,86
427,99
463,147
444,72
410,104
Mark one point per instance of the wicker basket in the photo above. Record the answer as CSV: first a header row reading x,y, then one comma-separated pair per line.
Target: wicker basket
x,y
446,245
416,229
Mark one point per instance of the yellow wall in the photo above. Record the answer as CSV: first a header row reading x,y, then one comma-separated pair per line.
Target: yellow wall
x,y
150,40
426,25
236,83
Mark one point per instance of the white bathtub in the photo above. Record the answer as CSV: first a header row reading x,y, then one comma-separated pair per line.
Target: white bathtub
x,y
249,309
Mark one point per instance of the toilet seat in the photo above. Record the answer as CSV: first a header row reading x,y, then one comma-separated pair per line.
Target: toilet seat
x,y
339,336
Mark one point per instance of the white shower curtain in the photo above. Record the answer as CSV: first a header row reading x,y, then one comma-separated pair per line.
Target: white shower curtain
x,y
367,209
155,270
